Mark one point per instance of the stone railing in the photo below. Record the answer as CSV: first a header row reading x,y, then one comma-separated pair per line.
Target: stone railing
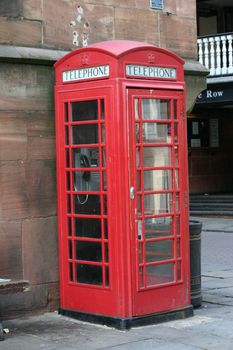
x,y
215,53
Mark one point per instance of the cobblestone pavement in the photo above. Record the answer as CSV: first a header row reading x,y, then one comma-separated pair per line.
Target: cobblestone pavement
x,y
211,327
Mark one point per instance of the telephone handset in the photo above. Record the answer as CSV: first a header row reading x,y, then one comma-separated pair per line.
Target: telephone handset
x,y
84,163
86,180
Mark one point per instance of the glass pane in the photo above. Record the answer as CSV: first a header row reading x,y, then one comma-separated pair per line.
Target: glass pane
x,y
175,109
103,158
139,205
68,197
102,109
157,180
138,157
104,179
159,250
67,139
156,133
176,149
87,227
158,203
158,227
90,251
107,277
68,181
177,208
140,252
159,274
153,109
176,173
177,225
157,156
141,277
89,274
178,270
175,132
66,112
84,110
105,205
138,180
102,133
106,252
70,250
67,158
69,226
178,248
87,204
71,272
136,108
137,132
85,157
86,181
105,229
85,134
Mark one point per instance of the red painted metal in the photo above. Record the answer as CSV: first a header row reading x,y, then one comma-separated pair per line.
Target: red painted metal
x,y
101,269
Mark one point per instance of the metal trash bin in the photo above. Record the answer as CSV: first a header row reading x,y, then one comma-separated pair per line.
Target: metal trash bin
x,y
195,228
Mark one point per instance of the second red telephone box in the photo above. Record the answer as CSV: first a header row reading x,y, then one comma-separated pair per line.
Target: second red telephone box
x,y
122,184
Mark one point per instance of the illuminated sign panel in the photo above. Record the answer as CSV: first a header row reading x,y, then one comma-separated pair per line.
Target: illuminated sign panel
x,y
85,73
150,72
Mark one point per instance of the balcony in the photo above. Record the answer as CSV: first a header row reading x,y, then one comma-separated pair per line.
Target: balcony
x,y
215,53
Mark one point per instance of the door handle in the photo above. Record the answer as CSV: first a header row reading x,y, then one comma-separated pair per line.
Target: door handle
x,y
139,229
132,193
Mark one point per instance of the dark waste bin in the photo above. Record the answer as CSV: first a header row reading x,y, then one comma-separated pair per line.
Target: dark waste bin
x,y
195,228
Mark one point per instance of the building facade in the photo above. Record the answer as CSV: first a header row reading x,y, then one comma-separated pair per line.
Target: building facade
x,y
211,122
34,34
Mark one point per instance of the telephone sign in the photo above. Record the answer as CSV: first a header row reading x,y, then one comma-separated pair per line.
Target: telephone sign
x,y
85,73
150,71
122,180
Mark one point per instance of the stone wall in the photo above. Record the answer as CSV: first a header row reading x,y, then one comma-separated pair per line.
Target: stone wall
x,y
62,24
28,223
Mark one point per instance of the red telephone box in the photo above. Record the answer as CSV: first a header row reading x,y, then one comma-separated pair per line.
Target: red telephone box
x,y
122,184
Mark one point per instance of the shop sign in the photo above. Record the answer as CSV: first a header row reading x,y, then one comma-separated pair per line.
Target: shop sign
x,y
216,95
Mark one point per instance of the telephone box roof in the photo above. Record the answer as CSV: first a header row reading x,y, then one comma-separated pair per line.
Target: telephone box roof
x,y
118,48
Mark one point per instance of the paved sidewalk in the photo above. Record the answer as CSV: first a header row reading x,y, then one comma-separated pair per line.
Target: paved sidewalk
x,y
211,328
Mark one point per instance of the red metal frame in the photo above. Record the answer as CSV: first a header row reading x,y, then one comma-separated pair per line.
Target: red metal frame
x,y
146,296
72,291
119,295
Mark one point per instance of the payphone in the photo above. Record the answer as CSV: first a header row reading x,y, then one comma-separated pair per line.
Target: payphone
x,y
122,184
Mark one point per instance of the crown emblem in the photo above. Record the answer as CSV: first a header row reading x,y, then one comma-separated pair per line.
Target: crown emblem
x,y
151,58
84,60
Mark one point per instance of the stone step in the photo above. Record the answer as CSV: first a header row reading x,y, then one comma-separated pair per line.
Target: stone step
x,y
211,204
211,197
216,200
211,212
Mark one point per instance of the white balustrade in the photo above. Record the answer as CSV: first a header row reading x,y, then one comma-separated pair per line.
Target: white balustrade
x,y
230,54
212,57
224,55
200,51
206,52
216,54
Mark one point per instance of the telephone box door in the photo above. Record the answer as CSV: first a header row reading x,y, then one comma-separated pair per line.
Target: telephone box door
x,y
157,193
84,202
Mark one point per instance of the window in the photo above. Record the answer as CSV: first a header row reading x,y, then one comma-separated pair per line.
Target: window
x,y
203,132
